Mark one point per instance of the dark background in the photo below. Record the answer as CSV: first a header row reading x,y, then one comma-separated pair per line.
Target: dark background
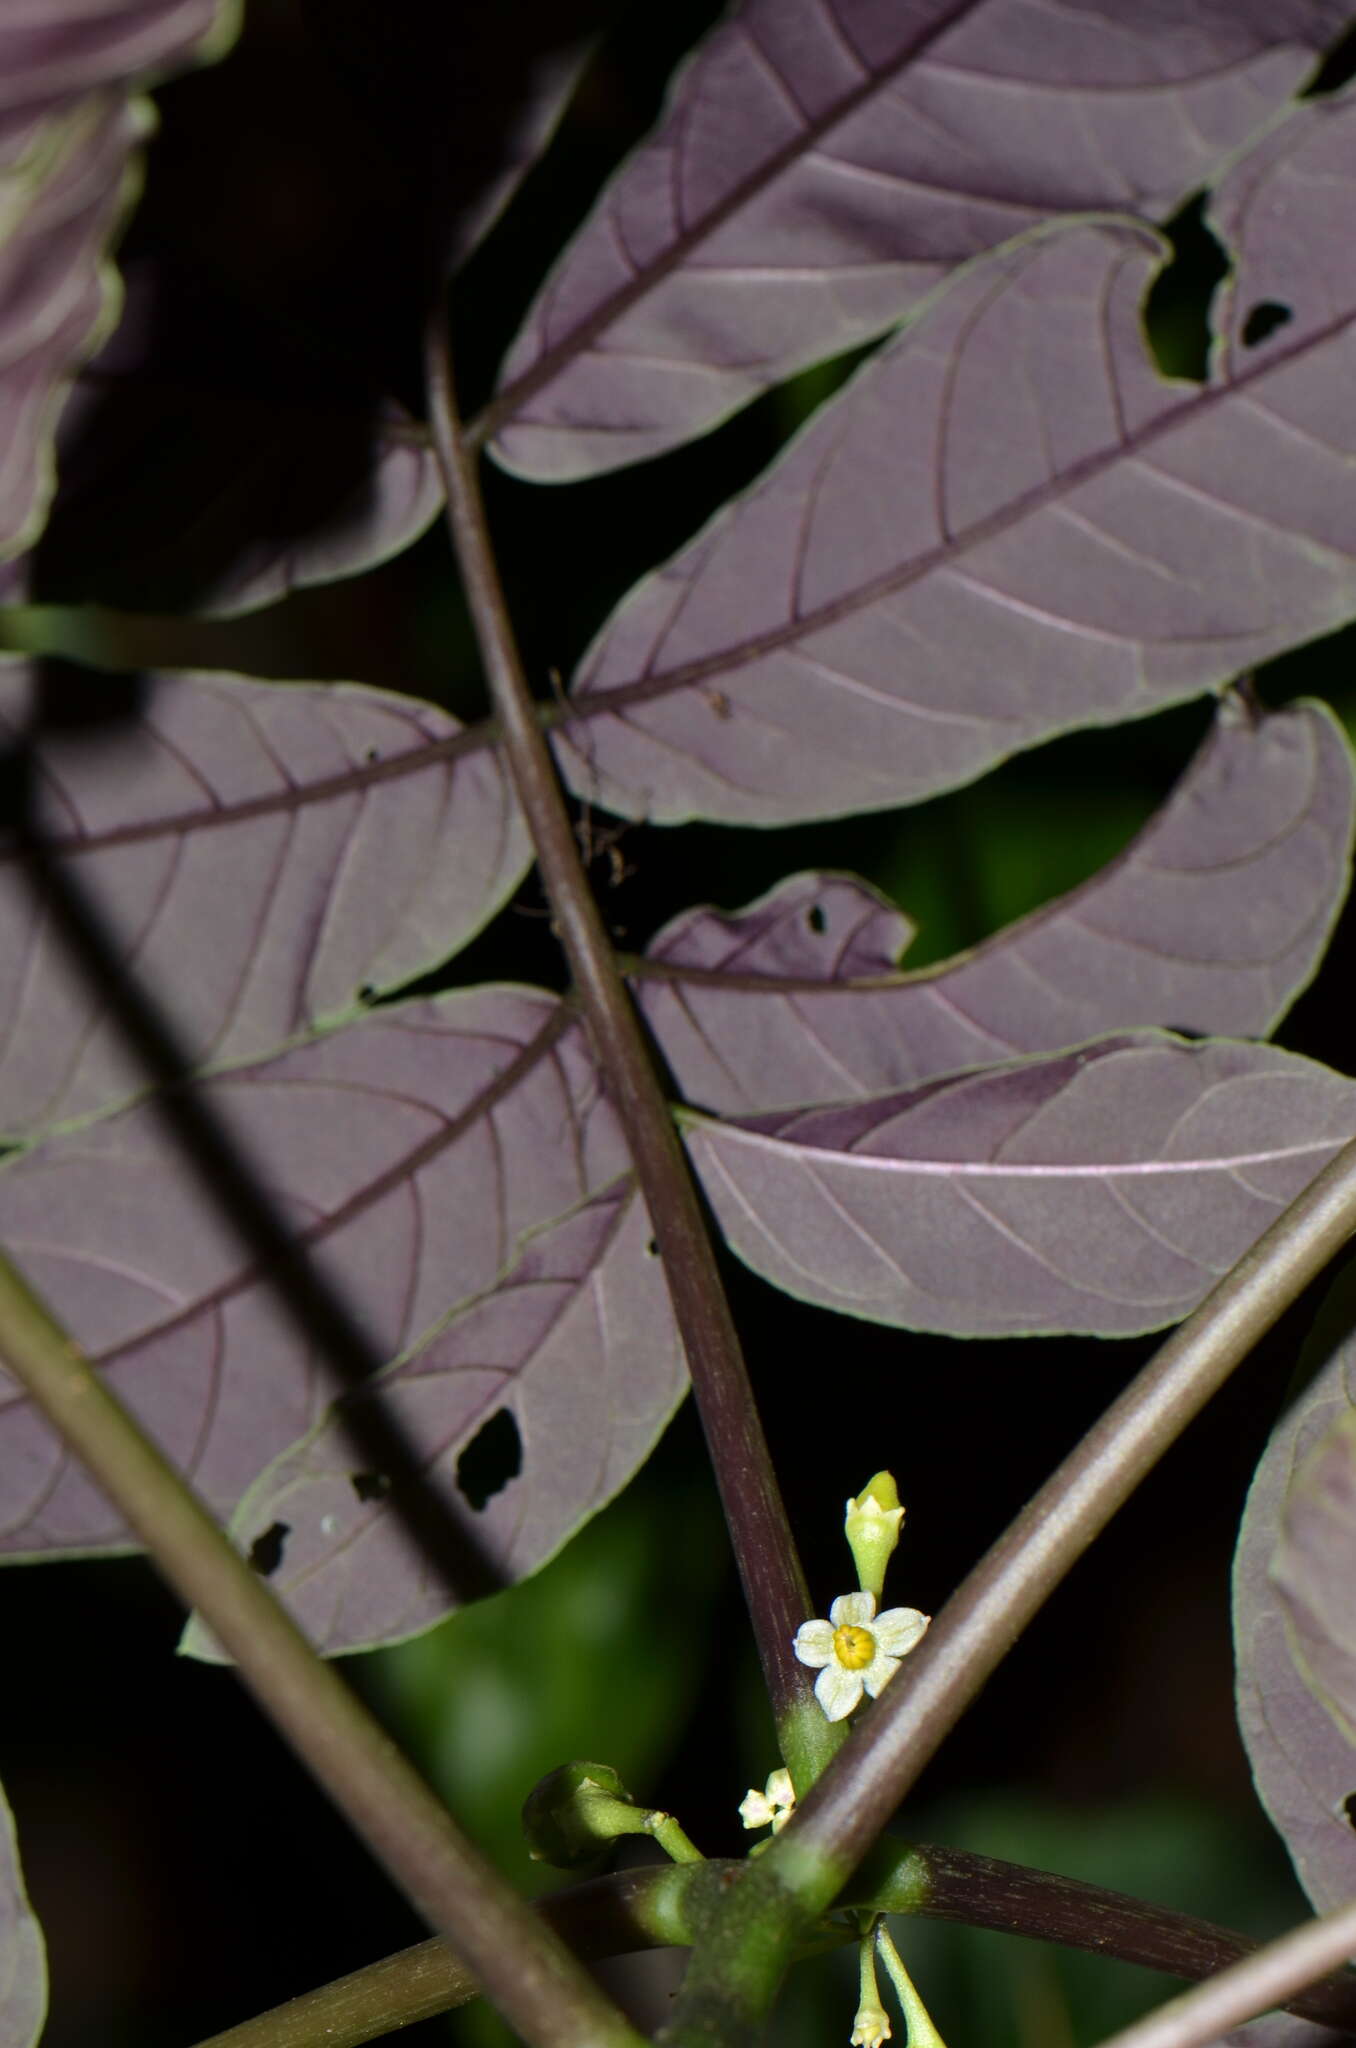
x,y
185,1871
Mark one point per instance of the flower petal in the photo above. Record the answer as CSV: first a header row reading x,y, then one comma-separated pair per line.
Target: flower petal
x,y
814,1643
838,1691
852,1610
780,1789
900,1629
879,1672
754,1810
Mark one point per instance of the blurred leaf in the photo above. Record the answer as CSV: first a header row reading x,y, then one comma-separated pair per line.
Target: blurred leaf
x,y
238,437
215,463
23,1970
1314,1570
1303,1764
70,122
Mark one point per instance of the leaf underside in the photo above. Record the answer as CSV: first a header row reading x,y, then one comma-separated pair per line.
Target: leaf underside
x,y
23,1967
70,124
1303,1765
1007,526
1103,1190
576,1343
1211,921
257,856
823,164
402,1162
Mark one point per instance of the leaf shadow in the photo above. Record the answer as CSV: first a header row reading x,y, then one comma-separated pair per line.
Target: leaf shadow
x,y
98,707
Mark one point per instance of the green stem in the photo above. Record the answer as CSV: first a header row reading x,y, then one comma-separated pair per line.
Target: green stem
x,y
922,2033
525,1967
637,1909
774,1584
673,1839
609,1916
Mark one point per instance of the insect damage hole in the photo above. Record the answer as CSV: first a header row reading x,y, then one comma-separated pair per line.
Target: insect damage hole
x,y
1266,316
1348,1809
493,1457
266,1551
369,1485
816,919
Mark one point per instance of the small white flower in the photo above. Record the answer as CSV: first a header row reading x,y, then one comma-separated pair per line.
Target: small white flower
x,y
871,2027
776,1803
856,1649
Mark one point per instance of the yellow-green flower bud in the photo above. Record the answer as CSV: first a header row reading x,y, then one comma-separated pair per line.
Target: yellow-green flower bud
x,y
872,1528
577,1810
572,1815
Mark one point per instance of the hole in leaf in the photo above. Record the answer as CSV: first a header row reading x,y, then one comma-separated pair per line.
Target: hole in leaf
x,y
372,755
367,994
1266,316
369,1485
266,1551
652,1249
1337,67
493,1457
1349,1809
816,919
1177,307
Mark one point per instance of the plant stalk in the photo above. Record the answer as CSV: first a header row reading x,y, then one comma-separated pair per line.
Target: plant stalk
x,y
774,1584
1274,1973
649,1908
526,1968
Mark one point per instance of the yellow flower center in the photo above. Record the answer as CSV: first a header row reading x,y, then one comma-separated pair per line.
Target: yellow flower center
x,y
853,1647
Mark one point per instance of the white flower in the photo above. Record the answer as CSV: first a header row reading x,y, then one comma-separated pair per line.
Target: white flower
x,y
776,1803
870,2027
856,1649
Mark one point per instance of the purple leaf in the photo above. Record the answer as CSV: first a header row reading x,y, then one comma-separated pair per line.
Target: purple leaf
x,y
1008,525
824,163
1304,1767
198,473
514,143
1314,1569
1212,920
1102,1190
405,1157
23,1968
236,440
68,128
576,1343
257,853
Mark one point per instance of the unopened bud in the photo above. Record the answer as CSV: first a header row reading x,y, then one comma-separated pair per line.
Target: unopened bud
x,y
573,1814
872,1527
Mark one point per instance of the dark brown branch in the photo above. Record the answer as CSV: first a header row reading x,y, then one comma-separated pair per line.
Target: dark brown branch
x,y
637,1909
774,1584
